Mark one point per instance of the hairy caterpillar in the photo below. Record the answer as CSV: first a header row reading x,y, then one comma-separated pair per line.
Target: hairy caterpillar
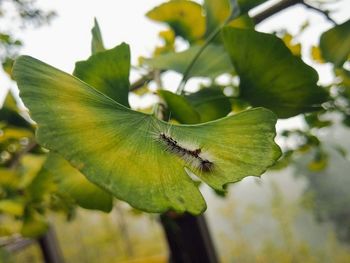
x,y
190,156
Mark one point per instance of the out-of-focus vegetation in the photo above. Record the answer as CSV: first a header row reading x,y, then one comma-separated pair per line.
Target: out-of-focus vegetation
x,y
17,15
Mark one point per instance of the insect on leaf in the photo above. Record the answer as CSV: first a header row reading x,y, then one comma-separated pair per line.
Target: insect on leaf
x,y
135,156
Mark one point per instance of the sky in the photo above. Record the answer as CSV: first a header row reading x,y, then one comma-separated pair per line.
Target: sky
x,y
67,39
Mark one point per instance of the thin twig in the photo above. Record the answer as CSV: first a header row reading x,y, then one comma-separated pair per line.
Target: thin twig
x,y
142,81
323,12
194,60
234,12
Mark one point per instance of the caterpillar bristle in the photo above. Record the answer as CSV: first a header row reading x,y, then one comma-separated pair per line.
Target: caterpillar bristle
x,y
192,157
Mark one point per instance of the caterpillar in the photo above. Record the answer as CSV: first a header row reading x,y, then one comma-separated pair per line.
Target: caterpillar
x,y
191,156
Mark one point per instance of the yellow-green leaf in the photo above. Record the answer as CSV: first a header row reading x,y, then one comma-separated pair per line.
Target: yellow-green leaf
x,y
10,102
72,183
34,225
30,167
12,207
183,16
316,54
217,12
134,155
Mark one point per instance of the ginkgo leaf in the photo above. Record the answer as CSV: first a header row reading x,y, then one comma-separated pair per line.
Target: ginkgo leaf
x,y
135,156
108,71
270,75
183,16
72,183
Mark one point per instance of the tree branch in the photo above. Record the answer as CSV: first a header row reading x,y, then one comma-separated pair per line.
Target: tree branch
x,y
276,8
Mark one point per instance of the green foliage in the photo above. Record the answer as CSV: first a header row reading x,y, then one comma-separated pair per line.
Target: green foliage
x,y
205,105
21,13
270,76
72,183
219,12
108,71
183,16
104,148
335,44
97,42
210,103
111,162
212,62
180,108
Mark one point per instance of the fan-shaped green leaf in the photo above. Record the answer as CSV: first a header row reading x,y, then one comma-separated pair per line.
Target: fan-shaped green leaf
x,y
135,156
108,71
270,75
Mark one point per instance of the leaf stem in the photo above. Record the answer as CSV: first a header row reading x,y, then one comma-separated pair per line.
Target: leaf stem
x,y
185,76
158,81
234,12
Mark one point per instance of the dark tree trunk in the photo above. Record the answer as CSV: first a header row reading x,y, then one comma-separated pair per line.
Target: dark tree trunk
x,y
50,248
188,239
